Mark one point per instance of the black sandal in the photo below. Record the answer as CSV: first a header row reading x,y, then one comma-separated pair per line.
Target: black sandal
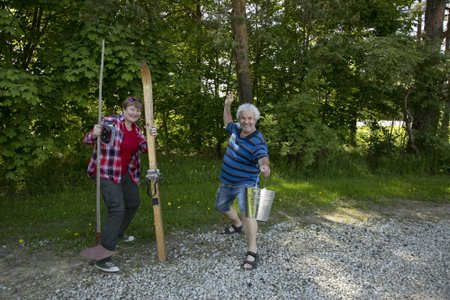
x,y
252,263
232,229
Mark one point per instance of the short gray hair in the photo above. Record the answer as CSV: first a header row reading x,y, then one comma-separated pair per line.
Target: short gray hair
x,y
248,107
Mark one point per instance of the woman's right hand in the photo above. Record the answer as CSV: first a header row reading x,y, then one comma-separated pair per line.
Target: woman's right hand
x,y
96,131
229,99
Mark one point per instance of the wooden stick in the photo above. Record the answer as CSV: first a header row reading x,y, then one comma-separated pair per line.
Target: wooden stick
x,y
98,225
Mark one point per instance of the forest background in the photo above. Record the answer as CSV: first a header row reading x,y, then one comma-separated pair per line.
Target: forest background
x,y
327,76
318,67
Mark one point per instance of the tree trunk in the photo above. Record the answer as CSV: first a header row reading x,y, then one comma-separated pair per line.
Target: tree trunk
x,y
447,36
426,114
353,129
434,21
446,117
408,118
419,25
240,51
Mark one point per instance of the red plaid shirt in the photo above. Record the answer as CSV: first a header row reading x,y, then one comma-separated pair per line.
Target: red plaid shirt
x,y
111,162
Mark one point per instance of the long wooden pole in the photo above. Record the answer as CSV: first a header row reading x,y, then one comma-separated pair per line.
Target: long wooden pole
x,y
98,225
153,172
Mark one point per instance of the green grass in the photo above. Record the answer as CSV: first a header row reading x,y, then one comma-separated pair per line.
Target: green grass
x,y
306,196
65,218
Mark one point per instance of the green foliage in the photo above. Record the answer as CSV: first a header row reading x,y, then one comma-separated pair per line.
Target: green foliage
x,y
383,17
382,141
362,78
317,66
299,133
22,145
49,84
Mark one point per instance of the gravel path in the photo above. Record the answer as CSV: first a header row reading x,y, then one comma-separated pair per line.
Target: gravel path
x,y
380,258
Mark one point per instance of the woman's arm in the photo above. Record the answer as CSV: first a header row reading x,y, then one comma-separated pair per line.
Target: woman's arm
x,y
227,117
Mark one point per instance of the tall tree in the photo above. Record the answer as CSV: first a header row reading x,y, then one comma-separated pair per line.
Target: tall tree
x,y
429,100
240,51
446,118
434,21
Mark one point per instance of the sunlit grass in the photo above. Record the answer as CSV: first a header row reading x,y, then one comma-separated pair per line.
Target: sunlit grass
x,y
326,194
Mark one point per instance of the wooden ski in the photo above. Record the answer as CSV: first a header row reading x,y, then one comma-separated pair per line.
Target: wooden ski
x,y
153,175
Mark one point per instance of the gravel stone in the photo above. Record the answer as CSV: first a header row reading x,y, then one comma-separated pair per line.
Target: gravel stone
x,y
380,258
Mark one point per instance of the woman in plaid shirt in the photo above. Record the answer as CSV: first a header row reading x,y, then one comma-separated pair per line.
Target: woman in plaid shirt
x,y
121,143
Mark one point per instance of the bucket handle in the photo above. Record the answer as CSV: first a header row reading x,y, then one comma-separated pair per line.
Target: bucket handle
x,y
258,179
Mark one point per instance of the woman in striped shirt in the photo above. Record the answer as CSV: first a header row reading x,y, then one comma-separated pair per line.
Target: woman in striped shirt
x,y
245,158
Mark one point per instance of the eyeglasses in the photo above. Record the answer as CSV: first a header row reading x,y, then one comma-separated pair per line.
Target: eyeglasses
x,y
134,110
133,99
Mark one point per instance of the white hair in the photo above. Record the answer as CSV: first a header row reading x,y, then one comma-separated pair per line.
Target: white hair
x,y
248,107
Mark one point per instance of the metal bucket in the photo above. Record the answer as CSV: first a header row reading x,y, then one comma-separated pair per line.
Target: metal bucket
x,y
258,203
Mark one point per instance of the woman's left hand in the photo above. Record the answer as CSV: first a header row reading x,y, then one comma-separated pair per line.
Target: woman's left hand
x,y
152,130
265,169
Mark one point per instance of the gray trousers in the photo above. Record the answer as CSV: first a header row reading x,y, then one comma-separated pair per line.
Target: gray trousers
x,y
122,202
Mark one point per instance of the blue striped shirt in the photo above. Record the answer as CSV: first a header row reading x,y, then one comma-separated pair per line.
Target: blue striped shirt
x,y
240,162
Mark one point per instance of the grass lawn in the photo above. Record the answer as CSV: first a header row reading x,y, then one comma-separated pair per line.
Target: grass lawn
x,y
66,219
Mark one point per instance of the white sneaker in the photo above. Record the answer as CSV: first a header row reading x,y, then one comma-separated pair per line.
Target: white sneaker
x,y
107,266
128,238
